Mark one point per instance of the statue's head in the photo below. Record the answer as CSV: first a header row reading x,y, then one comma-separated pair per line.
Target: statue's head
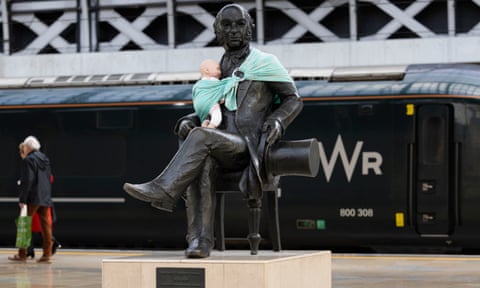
x,y
233,27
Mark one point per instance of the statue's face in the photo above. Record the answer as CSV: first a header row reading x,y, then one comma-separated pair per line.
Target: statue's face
x,y
235,29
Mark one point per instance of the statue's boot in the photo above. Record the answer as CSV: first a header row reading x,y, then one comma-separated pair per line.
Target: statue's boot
x,y
200,203
151,192
199,248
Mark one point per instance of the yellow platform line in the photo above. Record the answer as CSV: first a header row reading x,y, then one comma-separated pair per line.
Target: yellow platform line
x,y
406,257
84,253
334,256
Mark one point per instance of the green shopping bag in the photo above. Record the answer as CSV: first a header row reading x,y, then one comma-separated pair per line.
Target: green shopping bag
x,y
24,229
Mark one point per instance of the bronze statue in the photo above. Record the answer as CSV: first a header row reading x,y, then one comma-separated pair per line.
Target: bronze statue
x,y
264,111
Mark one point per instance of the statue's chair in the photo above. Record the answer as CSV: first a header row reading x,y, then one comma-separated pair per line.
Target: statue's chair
x,y
227,184
286,158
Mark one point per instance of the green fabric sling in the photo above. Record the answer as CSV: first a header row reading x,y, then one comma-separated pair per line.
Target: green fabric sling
x,y
258,66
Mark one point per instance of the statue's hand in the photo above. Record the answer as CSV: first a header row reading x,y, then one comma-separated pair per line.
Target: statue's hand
x,y
184,128
273,129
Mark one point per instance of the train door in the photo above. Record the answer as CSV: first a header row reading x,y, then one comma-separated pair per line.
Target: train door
x,y
433,189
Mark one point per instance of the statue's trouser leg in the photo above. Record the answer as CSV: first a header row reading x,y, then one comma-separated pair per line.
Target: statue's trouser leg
x,y
201,211
193,220
188,163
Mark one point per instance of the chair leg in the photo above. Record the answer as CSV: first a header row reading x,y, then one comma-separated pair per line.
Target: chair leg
x,y
273,220
219,223
254,227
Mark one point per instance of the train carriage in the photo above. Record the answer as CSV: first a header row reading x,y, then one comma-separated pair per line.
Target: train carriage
x,y
399,149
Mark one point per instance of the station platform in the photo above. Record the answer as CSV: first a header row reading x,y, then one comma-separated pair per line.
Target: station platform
x,y
83,269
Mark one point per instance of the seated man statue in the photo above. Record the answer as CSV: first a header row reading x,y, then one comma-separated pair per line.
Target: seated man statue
x,y
266,103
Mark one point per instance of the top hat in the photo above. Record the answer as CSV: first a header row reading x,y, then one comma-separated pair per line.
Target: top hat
x,y
293,158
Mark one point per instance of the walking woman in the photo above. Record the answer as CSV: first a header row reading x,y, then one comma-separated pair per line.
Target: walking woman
x,y
35,192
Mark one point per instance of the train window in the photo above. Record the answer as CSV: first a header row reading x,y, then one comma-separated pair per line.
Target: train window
x,y
365,110
434,148
9,156
114,119
100,156
76,121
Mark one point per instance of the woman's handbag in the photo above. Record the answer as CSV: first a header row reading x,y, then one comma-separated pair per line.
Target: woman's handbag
x,y
24,229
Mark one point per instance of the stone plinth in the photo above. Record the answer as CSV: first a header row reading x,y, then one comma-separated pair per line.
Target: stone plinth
x,y
229,269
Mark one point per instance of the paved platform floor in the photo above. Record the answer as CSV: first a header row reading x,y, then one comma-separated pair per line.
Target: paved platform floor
x,y
82,269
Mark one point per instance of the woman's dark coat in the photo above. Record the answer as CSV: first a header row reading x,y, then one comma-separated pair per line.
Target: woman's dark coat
x,y
35,187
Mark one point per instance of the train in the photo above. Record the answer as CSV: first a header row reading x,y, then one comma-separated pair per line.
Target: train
x,y
399,150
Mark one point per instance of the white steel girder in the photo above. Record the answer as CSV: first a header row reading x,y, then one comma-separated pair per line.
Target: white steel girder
x,y
85,13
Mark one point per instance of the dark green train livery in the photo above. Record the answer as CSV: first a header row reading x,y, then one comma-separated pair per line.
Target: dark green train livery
x,y
399,149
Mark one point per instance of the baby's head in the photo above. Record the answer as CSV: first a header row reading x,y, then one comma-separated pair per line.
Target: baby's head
x,y
210,68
